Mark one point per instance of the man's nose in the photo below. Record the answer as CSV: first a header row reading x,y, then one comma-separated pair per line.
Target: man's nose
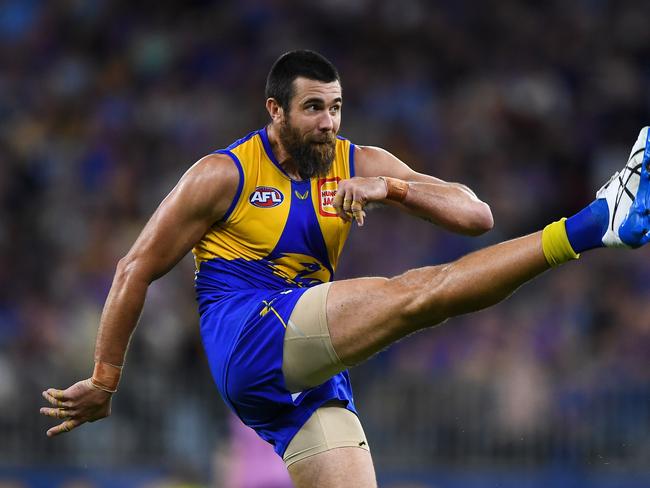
x,y
326,122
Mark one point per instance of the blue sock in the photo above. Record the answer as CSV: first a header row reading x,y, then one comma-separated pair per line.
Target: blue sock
x,y
586,229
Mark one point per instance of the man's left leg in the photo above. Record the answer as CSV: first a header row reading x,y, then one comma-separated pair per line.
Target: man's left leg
x,y
366,315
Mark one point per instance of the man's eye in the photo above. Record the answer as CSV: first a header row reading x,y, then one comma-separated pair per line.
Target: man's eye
x,y
335,109
312,108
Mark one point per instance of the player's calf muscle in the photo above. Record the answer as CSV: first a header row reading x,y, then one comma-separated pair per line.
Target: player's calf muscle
x,y
433,294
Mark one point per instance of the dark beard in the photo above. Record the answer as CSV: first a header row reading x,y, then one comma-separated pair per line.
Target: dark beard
x,y
311,157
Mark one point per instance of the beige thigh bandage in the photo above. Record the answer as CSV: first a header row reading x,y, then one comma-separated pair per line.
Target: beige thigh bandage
x,y
309,358
329,427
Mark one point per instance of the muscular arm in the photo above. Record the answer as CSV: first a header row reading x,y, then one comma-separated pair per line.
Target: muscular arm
x,y
452,206
201,197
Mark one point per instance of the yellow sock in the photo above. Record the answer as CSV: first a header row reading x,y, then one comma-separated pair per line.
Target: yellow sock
x,y
555,244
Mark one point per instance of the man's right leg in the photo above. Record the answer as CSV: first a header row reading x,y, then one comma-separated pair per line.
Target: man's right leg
x,y
345,467
330,451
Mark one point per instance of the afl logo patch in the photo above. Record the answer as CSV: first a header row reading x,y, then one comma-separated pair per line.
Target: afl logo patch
x,y
266,197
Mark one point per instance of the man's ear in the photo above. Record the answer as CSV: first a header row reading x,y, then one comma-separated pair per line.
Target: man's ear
x,y
274,109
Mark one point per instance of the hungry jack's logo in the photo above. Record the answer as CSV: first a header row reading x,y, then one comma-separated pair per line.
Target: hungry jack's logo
x,y
266,197
326,191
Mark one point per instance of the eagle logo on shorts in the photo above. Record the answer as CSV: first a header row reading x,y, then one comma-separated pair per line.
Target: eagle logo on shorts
x,y
300,269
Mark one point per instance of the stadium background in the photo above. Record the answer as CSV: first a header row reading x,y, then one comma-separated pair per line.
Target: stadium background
x,y
103,105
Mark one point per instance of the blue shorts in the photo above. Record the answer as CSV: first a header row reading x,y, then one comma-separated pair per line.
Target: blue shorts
x,y
243,337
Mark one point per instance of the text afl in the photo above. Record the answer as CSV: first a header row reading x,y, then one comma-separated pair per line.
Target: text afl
x,y
266,197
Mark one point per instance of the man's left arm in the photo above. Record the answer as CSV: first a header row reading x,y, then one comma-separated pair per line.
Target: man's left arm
x,y
381,177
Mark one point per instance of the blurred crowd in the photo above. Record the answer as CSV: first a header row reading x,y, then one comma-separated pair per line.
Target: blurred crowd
x,y
104,104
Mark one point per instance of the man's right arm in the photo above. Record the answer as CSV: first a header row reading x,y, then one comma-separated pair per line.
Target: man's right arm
x,y
200,198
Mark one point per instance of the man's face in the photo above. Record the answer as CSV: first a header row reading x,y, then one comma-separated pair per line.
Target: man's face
x,y
308,130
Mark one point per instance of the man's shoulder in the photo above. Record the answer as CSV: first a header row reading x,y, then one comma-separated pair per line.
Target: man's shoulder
x,y
214,162
216,169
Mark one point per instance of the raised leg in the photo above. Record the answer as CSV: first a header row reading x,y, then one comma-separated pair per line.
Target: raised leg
x,y
366,315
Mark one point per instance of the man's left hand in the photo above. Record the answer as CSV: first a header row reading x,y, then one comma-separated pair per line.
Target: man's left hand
x,y
352,196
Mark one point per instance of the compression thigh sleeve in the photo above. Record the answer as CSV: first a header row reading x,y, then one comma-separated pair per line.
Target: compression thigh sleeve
x,y
329,427
309,358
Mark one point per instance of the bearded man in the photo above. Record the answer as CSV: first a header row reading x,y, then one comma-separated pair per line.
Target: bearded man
x,y
266,219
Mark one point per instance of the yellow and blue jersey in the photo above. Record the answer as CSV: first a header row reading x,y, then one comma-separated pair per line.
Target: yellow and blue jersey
x,y
278,238
278,233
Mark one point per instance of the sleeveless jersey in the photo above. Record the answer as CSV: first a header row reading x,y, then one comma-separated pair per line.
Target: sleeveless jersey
x,y
277,233
278,238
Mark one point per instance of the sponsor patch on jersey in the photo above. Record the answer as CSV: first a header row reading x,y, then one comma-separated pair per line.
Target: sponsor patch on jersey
x,y
266,197
327,190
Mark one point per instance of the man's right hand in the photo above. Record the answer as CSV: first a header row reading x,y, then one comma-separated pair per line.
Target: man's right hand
x,y
80,403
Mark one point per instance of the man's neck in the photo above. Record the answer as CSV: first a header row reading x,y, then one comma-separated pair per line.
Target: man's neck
x,y
280,153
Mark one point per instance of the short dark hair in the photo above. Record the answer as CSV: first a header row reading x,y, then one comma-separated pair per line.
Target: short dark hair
x,y
291,65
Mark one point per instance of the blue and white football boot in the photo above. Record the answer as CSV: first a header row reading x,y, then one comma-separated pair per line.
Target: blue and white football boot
x,y
628,198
